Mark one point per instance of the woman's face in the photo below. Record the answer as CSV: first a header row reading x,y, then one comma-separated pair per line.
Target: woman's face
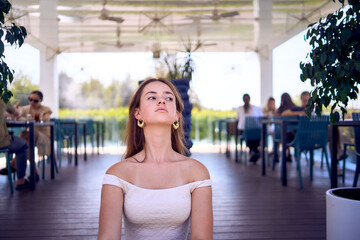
x,y
34,101
271,105
157,104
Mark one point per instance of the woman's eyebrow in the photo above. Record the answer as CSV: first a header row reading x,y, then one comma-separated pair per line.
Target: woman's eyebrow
x,y
167,92
154,92
150,92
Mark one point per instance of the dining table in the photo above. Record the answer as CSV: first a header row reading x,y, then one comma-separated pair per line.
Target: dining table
x,y
333,146
30,126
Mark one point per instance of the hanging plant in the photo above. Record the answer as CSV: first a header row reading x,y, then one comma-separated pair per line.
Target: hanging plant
x,y
14,35
333,68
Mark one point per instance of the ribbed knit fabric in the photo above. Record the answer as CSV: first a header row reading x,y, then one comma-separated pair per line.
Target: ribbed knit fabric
x,y
156,214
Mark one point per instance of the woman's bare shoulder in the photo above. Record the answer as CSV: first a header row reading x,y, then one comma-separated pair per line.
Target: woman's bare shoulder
x,y
197,170
123,169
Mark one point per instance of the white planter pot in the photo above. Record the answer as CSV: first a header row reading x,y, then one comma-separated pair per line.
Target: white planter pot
x,y
343,214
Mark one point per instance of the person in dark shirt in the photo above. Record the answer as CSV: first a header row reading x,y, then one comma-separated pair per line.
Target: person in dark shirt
x,y
15,145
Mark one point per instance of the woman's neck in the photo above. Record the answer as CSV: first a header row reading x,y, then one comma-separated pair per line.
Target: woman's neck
x,y
157,144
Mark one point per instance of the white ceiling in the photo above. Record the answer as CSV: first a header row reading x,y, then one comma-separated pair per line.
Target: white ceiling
x,y
180,21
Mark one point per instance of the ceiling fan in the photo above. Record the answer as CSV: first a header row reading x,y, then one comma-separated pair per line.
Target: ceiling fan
x,y
105,14
216,15
118,43
303,19
156,23
190,46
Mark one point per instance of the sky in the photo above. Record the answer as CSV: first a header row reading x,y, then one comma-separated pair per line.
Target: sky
x,y
219,81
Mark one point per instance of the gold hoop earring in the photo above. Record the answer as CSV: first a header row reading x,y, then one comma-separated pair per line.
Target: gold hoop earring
x,y
176,125
140,123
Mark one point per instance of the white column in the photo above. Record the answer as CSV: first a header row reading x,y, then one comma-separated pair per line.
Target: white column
x,y
49,81
263,46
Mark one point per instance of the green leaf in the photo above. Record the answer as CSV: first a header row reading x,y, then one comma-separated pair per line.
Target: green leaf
x,y
2,48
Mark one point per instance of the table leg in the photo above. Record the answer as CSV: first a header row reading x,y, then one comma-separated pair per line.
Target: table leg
x,y
32,155
283,159
263,136
52,154
333,147
84,132
98,136
102,134
219,122
236,144
76,143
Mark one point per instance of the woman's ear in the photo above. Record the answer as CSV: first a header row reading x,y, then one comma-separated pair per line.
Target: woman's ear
x,y
137,114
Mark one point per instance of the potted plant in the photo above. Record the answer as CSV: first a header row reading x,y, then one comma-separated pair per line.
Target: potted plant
x,y
333,68
181,75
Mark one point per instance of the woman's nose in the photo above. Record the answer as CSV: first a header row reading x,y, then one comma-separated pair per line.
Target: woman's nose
x,y
161,101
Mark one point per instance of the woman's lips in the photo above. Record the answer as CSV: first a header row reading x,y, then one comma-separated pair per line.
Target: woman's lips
x,y
161,110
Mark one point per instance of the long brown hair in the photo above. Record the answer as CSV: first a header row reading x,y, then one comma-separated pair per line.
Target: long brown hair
x,y
134,135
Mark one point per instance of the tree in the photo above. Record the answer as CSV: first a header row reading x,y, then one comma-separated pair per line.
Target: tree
x,y
92,94
64,92
334,66
21,88
14,35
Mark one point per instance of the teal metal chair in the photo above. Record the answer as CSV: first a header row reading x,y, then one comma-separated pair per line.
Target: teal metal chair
x,y
252,132
8,157
90,131
310,135
64,135
277,135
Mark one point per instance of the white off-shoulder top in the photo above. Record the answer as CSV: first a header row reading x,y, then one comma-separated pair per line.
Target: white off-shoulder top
x,y
156,213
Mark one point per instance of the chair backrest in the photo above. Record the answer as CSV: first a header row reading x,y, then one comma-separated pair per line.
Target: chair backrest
x,y
356,116
231,127
57,128
252,130
290,127
90,129
312,134
67,130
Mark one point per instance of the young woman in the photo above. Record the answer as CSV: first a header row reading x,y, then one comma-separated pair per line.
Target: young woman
x,y
158,190
37,112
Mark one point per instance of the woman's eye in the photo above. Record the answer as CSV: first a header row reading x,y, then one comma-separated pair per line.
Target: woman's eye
x,y
169,99
151,98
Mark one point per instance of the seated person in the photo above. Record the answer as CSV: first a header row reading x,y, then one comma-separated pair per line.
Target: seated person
x,y
288,108
38,112
15,145
248,110
270,109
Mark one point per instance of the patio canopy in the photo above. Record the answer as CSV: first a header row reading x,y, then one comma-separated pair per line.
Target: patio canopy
x,y
57,26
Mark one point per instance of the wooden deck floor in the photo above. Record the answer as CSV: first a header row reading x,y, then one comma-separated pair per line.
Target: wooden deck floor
x,y
246,204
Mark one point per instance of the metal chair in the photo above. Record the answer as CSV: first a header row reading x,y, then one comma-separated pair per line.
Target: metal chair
x,y
310,135
277,135
252,132
356,145
8,157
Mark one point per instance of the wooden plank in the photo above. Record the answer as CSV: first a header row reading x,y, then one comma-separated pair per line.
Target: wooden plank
x,y
246,204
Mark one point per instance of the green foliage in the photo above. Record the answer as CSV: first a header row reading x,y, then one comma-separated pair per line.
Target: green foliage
x,y
14,35
334,66
21,88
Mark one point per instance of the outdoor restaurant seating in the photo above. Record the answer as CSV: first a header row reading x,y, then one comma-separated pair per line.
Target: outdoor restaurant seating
x,y
310,135
356,116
